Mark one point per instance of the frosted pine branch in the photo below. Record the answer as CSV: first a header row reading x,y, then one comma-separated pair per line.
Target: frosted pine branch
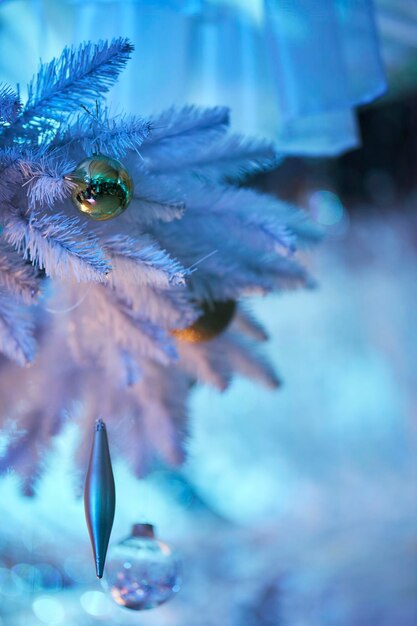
x,y
116,326
120,287
60,245
175,127
45,179
16,331
10,174
249,325
81,75
17,278
39,175
147,210
245,359
206,362
234,208
241,267
98,132
229,158
10,104
156,414
9,435
167,307
146,338
296,221
143,262
291,225
156,198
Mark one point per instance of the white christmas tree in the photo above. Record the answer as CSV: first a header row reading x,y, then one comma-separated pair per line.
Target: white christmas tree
x,y
119,318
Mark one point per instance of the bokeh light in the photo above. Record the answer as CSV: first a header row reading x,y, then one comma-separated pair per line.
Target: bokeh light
x,y
49,610
28,576
97,604
328,211
9,583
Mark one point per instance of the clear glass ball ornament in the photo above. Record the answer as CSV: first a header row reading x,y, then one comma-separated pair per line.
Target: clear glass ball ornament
x,y
141,572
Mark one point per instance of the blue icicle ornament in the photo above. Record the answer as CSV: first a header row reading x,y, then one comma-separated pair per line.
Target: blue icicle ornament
x,y
99,496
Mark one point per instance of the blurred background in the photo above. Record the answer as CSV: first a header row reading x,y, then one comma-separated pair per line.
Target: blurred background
x,y
296,507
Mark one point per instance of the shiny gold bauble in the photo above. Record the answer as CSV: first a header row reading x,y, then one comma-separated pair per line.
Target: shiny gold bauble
x,y
103,187
215,318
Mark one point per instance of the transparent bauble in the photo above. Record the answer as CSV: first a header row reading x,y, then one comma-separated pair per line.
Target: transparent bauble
x,y
141,572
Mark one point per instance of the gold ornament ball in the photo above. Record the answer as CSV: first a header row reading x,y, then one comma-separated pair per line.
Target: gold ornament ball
x,y
103,187
215,318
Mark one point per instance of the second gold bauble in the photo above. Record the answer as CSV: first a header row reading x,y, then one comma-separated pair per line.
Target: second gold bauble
x,y
103,187
215,318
